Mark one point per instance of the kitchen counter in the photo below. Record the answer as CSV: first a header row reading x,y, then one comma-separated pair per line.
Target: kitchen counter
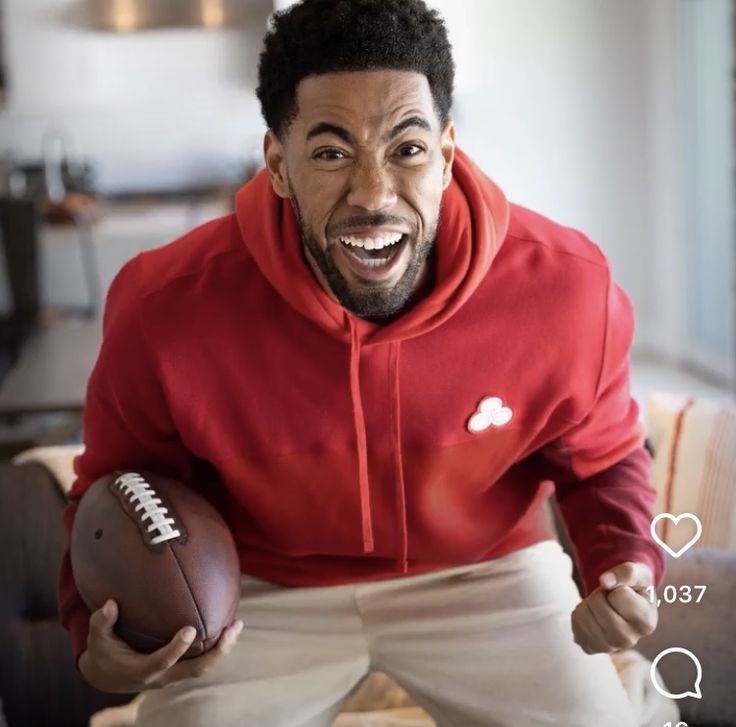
x,y
120,228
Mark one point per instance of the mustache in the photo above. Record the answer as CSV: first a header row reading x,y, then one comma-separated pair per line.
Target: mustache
x,y
371,220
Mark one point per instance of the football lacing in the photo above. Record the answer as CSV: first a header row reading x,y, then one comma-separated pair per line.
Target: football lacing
x,y
138,490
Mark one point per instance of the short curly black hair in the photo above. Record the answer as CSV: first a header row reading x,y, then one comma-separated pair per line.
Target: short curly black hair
x,y
326,36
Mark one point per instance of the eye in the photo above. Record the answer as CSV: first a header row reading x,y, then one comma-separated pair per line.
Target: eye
x,y
329,155
410,150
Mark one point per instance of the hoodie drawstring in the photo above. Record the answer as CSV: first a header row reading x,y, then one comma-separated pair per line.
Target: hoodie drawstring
x,y
402,560
402,537
360,435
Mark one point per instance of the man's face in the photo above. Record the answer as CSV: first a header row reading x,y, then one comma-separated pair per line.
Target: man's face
x,y
365,162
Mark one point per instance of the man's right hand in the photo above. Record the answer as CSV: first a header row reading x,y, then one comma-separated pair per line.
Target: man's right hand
x,y
110,665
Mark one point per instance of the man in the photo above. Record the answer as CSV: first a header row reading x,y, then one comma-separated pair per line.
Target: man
x,y
375,367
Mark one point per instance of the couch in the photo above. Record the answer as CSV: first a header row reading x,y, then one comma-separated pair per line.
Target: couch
x,y
39,684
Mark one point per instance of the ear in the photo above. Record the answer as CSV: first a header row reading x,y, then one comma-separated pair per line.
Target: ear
x,y
273,154
447,146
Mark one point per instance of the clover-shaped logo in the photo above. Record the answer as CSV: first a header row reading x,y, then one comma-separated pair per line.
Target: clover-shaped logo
x,y
491,411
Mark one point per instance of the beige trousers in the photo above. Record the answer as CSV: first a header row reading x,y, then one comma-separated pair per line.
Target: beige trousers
x,y
483,645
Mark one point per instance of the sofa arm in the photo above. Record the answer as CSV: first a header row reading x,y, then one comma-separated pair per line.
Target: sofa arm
x,y
707,629
39,683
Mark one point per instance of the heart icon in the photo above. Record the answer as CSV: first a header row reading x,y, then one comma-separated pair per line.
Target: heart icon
x,y
676,520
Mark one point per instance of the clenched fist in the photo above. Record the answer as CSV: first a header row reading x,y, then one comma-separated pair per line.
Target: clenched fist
x,y
618,613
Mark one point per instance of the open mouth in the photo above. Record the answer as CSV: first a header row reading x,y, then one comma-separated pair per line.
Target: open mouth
x,y
373,253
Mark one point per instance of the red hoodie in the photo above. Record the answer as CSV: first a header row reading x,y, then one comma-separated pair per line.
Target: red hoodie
x,y
345,451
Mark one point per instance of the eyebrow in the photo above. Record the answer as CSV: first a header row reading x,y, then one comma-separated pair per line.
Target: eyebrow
x,y
326,128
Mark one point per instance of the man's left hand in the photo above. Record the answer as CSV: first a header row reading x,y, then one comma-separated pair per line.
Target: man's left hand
x,y
618,613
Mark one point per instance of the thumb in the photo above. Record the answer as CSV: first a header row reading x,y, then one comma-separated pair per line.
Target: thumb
x,y
106,617
634,575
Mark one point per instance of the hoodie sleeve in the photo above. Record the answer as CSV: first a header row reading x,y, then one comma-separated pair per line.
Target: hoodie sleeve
x,y
126,424
600,466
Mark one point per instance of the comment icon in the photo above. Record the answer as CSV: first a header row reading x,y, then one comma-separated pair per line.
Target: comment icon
x,y
696,693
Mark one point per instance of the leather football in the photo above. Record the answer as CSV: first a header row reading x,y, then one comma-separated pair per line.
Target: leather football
x,y
162,552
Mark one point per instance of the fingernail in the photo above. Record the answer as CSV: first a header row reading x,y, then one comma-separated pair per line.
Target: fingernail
x,y
608,580
188,633
234,631
108,608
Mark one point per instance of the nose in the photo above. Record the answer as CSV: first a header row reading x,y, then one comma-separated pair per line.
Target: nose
x,y
371,188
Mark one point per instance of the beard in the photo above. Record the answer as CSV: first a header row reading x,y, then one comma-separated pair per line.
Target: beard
x,y
373,303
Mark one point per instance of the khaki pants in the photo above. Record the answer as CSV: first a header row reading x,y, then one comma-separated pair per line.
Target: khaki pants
x,y
484,645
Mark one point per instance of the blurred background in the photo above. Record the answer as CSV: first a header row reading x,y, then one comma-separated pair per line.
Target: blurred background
x,y
124,123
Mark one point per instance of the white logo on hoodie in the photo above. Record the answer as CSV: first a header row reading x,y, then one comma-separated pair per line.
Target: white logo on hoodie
x,y
491,412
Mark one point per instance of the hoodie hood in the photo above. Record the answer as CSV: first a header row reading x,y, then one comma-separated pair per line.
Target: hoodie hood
x,y
471,229
472,226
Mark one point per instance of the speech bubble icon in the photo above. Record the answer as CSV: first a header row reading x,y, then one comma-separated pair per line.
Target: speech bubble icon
x,y
676,520
698,674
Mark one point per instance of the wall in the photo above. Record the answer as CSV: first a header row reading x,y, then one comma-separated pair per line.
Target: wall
x,y
710,167
152,109
667,136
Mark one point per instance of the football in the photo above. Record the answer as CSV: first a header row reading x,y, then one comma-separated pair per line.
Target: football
x,y
162,552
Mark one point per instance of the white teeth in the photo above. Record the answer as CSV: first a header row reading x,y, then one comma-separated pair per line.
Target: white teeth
x,y
372,243
375,262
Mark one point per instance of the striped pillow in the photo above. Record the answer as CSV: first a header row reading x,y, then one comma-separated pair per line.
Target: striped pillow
x,y
694,468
